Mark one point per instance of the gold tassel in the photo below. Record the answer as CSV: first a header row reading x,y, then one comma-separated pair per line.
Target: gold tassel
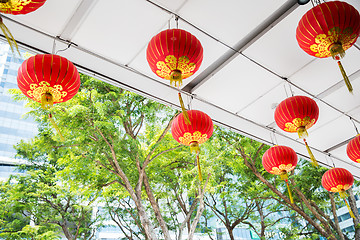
x,y
47,100
302,132
56,127
9,37
312,157
284,177
346,79
350,211
176,78
185,114
194,147
198,165
337,51
344,195
290,195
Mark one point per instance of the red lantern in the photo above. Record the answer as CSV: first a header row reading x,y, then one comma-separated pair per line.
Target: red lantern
x,y
329,29
48,79
174,55
280,160
198,132
338,180
16,7
353,149
297,114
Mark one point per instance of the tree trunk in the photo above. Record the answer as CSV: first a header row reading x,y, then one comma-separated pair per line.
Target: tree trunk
x,y
317,226
187,219
199,211
156,208
66,231
352,203
230,231
262,220
336,220
145,222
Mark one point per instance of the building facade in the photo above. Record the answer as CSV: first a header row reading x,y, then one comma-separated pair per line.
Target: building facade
x,y
13,126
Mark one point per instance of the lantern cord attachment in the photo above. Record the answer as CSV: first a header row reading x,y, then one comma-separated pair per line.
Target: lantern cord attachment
x,y
177,21
56,127
302,132
311,155
346,78
47,101
284,177
185,114
9,37
352,120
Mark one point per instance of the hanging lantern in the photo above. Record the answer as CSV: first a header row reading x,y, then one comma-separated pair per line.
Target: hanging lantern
x,y
338,180
193,135
174,55
353,149
297,114
280,160
48,79
16,7
329,29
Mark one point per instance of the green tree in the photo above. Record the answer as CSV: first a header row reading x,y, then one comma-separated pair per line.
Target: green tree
x,y
112,138
41,197
310,199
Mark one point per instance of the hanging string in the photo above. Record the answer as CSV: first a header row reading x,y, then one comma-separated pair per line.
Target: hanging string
x,y
190,101
61,50
287,95
332,160
276,142
177,21
352,120
271,138
291,91
54,46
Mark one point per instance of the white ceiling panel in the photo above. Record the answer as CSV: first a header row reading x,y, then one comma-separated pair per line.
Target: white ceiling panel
x,y
323,73
237,85
342,99
120,32
278,48
341,153
329,135
228,21
109,39
48,20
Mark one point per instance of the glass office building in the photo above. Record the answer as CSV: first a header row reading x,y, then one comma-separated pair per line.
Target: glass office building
x,y
13,127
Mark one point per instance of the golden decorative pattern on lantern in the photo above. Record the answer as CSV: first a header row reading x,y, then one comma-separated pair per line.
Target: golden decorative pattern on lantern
x,y
298,122
16,5
172,63
323,42
340,188
37,90
195,137
283,167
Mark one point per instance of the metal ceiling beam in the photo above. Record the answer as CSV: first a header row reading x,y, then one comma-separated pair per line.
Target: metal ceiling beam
x,y
76,19
243,44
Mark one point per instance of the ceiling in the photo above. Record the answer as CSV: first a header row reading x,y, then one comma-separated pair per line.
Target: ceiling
x,y
251,62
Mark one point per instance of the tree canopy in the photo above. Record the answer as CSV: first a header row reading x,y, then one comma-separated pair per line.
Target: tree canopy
x,y
119,154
